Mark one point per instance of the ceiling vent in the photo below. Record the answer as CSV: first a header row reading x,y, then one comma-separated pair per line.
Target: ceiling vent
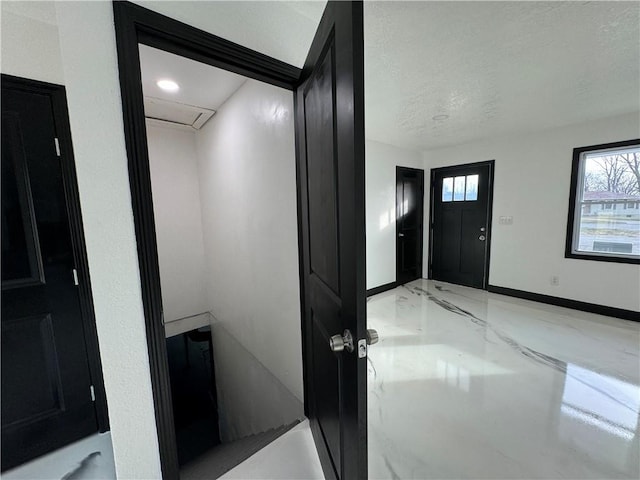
x,y
176,114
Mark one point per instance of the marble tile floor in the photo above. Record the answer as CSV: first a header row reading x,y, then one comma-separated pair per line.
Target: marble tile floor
x,y
466,384
88,459
469,384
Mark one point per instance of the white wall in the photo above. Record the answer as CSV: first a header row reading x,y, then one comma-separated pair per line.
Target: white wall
x,y
88,67
30,46
532,181
380,186
282,30
87,46
246,155
251,399
241,186
73,44
178,219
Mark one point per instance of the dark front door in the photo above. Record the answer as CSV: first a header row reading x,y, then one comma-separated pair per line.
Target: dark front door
x,y
460,223
46,385
330,132
409,222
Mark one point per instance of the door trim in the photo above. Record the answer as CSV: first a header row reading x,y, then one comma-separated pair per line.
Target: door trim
x,y
420,173
57,95
434,171
133,25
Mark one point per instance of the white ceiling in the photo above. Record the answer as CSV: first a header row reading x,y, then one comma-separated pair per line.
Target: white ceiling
x,y
495,68
200,84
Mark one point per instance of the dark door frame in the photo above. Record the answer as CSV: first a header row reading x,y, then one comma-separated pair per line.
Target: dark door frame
x,y
492,166
133,25
58,97
420,252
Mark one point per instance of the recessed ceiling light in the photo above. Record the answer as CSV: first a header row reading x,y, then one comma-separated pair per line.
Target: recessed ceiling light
x,y
439,118
168,85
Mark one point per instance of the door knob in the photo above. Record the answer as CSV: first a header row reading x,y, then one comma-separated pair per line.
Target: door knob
x,y
482,238
401,234
338,343
482,229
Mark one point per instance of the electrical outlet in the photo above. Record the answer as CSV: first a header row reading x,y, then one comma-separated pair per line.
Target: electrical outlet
x,y
505,220
555,280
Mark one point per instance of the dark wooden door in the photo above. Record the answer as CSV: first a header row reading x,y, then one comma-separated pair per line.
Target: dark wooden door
x,y
330,133
46,383
460,223
409,223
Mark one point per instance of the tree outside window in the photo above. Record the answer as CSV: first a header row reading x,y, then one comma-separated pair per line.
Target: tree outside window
x,y
605,181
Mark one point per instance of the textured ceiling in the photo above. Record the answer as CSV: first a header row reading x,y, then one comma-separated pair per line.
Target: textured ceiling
x,y
496,67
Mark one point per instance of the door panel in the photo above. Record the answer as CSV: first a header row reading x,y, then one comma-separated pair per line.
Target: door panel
x,y
46,397
321,180
460,217
22,260
409,223
330,138
41,387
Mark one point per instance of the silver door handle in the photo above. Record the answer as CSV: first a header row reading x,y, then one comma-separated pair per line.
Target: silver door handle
x,y
482,238
338,343
401,234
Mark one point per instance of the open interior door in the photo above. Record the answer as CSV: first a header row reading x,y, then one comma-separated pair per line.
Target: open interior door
x,y
330,142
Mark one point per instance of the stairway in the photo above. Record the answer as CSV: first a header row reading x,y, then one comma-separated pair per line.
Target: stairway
x,y
222,458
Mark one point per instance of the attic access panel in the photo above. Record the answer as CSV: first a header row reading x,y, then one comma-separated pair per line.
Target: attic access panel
x,y
176,113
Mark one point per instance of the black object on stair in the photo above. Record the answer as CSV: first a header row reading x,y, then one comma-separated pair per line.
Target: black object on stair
x,y
193,391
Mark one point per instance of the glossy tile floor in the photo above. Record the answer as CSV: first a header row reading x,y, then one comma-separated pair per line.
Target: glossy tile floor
x,y
468,384
464,384
88,459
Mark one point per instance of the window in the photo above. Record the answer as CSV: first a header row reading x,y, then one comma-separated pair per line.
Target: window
x,y
605,179
447,189
460,189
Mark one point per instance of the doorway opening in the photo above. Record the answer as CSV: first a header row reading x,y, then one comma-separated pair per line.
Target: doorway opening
x,y
460,223
222,165
328,180
409,226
